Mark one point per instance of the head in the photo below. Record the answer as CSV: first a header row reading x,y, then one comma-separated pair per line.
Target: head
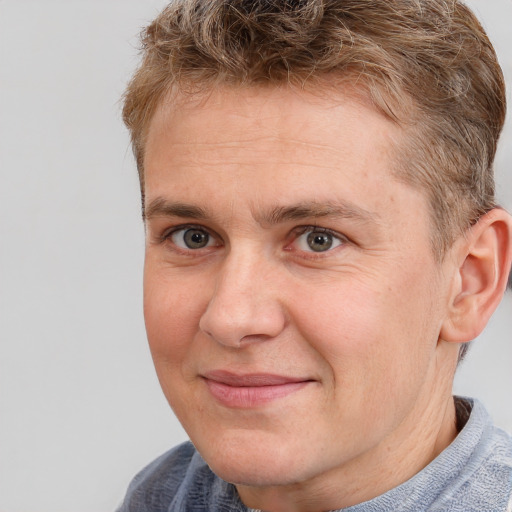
x,y
318,198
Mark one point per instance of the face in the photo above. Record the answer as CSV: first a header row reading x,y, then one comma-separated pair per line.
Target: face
x,y
292,301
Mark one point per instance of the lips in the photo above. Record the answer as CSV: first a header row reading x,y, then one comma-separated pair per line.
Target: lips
x,y
251,390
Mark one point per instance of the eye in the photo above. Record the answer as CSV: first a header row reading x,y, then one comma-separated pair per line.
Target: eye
x,y
191,238
317,239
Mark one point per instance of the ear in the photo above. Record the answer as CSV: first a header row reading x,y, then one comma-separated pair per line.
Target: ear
x,y
483,262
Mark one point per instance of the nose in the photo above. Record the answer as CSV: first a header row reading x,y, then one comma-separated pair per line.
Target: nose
x,y
244,307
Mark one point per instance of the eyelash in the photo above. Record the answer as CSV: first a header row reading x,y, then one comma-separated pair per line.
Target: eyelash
x,y
166,237
303,230
295,234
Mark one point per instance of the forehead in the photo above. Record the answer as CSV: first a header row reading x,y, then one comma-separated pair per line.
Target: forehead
x,y
279,146
232,120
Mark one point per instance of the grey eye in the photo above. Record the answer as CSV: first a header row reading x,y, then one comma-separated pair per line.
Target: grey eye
x,y
191,238
319,242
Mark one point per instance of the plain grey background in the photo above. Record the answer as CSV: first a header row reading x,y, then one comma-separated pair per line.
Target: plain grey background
x,y
80,407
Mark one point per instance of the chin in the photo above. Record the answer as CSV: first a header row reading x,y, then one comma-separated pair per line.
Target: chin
x,y
257,475
255,463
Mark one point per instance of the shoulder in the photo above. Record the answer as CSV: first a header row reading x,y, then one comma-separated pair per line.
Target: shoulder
x,y
179,480
154,488
481,463
489,470
473,474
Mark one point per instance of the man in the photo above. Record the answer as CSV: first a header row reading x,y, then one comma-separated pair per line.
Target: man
x,y
322,243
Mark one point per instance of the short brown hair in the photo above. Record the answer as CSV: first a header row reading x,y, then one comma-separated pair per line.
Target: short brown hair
x,y
431,54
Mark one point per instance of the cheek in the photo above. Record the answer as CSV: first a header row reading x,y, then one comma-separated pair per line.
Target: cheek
x,y
340,320
373,345
171,314
372,331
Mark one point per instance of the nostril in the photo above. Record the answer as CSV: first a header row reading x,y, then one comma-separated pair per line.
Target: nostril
x,y
243,324
254,338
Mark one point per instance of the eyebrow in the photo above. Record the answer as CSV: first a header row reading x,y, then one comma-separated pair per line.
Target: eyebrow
x,y
161,207
316,210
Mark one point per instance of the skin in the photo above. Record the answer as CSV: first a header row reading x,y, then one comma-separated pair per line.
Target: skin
x,y
254,172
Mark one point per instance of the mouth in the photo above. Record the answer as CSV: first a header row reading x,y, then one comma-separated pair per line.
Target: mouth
x,y
251,390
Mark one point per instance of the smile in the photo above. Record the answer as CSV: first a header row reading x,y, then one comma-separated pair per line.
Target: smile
x,y
251,390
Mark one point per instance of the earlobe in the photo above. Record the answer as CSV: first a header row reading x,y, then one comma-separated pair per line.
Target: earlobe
x,y
484,261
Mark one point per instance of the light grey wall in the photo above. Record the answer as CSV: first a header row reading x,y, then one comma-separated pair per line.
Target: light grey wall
x,y
80,408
